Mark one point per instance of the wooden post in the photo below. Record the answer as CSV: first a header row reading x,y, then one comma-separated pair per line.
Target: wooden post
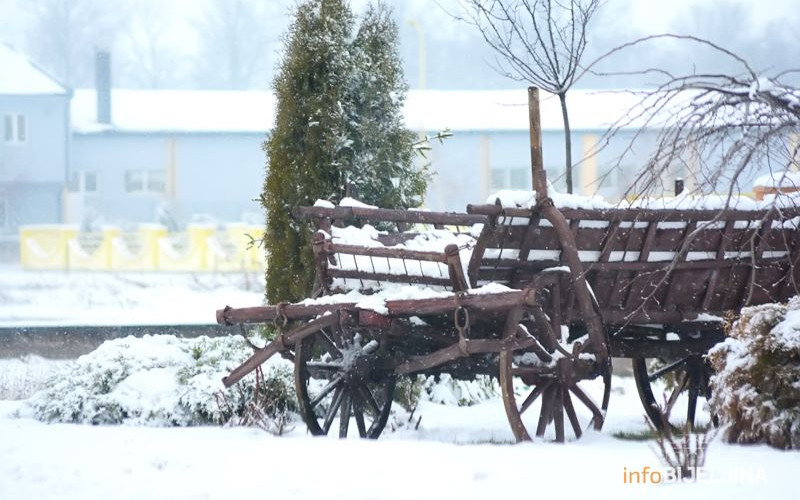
x,y
538,175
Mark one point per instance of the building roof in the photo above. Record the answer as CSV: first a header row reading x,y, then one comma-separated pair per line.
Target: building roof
x,y
182,111
19,76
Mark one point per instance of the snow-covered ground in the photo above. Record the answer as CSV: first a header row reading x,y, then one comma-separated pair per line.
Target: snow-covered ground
x,y
98,298
457,452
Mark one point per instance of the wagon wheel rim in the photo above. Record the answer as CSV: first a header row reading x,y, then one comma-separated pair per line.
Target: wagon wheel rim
x,y
690,382
339,385
566,402
569,392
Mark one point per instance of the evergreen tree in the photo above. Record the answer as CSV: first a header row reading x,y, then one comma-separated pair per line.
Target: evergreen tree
x,y
382,169
339,94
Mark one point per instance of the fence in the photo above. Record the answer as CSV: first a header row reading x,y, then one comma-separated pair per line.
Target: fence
x,y
232,247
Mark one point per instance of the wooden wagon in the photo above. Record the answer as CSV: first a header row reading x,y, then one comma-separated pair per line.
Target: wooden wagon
x,y
539,295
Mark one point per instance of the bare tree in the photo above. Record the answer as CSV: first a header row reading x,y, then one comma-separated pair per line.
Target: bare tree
x,y
537,41
234,40
153,51
63,35
719,128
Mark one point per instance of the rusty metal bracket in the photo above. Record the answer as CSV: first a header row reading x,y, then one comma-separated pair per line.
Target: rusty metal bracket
x,y
461,321
280,323
224,317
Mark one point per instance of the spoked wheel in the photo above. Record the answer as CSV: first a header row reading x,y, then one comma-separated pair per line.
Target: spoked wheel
x,y
339,383
557,388
685,380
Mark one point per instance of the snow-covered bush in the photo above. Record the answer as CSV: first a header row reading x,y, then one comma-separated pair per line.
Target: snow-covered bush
x,y
756,389
162,380
445,390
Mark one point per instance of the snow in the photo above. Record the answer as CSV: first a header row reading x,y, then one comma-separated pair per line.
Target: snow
x,y
457,451
377,301
527,199
788,179
254,111
324,204
19,76
432,240
176,111
86,298
684,201
352,202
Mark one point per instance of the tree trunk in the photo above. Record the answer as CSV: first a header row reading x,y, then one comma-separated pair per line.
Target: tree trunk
x,y
567,140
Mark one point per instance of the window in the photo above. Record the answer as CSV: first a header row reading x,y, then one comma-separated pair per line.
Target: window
x,y
145,181
511,178
83,181
15,128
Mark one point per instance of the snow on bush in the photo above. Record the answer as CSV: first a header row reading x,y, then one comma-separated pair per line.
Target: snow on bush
x,y
162,381
444,389
757,386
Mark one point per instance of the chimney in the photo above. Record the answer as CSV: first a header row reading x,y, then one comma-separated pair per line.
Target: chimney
x,y
102,66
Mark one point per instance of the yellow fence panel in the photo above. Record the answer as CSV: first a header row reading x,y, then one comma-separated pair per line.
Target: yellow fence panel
x,y
138,251
91,251
45,246
230,248
187,251
236,248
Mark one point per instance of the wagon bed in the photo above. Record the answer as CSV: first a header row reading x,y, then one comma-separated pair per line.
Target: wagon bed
x,y
502,296
539,296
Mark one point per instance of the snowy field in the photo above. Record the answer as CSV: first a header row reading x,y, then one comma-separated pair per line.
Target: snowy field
x,y
84,298
457,452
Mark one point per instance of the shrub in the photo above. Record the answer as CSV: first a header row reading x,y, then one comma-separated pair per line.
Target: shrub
x,y
162,381
756,390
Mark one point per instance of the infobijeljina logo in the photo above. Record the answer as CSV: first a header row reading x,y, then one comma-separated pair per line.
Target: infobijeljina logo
x,y
670,475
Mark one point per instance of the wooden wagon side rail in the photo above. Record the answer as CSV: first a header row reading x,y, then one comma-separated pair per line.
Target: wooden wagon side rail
x,y
395,308
659,265
328,259
327,315
325,217
639,214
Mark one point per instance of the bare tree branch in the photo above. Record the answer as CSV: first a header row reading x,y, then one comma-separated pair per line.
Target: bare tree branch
x,y
537,41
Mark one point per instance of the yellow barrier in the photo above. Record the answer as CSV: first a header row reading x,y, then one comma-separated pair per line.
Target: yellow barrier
x,y
138,251
150,248
45,246
185,251
91,251
236,249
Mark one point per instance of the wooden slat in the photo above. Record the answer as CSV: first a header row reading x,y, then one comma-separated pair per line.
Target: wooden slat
x,y
675,285
480,249
392,278
528,241
719,258
384,252
758,251
608,242
391,215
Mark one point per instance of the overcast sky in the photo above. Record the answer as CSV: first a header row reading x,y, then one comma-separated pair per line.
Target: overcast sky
x,y
158,43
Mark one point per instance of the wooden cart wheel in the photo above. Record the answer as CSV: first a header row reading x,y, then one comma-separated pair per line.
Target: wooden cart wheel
x,y
558,378
688,379
337,379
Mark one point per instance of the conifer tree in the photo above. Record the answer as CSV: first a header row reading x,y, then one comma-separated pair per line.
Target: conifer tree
x,y
339,93
382,168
